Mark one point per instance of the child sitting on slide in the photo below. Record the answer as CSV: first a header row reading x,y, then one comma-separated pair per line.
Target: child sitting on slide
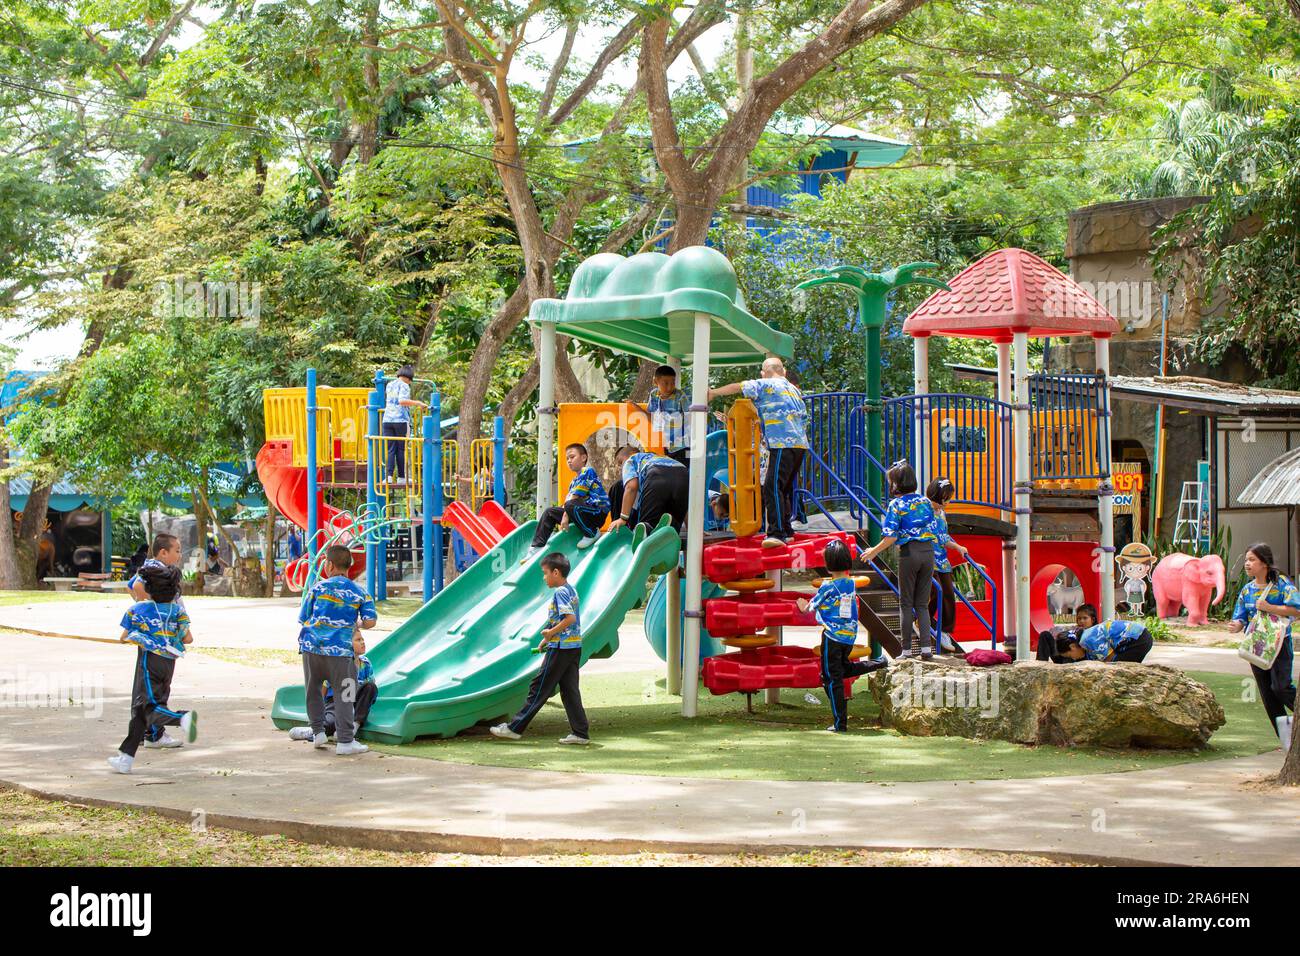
x,y
363,696
585,504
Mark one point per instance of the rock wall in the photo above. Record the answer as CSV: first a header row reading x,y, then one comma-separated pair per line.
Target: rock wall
x,y
1076,705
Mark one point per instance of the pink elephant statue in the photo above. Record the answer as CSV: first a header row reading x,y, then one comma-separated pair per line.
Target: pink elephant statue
x,y
1182,580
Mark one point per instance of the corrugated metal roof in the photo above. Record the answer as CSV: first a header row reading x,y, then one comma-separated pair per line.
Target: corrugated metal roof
x,y
1184,391
1278,482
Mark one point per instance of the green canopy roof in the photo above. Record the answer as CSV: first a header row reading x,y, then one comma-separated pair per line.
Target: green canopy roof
x,y
646,304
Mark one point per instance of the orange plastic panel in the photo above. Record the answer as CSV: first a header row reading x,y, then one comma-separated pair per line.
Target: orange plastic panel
x,y
744,434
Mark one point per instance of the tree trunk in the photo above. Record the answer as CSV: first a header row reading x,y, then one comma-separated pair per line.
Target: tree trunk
x,y
201,533
9,577
268,551
1290,775
35,518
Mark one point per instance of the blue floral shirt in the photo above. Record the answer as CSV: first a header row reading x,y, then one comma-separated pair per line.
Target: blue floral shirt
x,y
397,391
1101,641
668,416
1280,592
564,601
941,542
637,465
158,628
836,607
910,517
781,408
588,487
330,611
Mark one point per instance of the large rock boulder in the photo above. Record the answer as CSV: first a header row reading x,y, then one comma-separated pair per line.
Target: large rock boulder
x,y
1076,705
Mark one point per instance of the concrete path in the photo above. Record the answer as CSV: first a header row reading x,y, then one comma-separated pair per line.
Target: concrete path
x,y
244,773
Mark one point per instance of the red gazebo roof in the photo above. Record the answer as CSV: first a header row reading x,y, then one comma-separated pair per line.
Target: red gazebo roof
x,y
1009,291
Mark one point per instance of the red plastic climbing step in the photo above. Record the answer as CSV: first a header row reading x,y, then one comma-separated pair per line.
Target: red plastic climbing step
x,y
751,613
747,558
760,668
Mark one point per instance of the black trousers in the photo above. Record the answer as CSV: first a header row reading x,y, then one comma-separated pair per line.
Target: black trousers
x,y
836,669
559,671
588,521
664,491
149,700
949,592
1136,650
395,450
367,692
915,578
783,466
1276,688
616,503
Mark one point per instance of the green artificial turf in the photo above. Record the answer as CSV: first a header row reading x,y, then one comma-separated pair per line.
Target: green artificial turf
x,y
637,728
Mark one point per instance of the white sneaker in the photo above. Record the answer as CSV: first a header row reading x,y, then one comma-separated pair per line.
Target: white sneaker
x,y
529,555
319,741
585,543
1284,733
300,733
121,763
504,732
190,726
575,739
347,750
166,741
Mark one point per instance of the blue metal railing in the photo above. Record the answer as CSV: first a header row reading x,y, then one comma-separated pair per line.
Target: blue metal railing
x,y
966,438
1068,427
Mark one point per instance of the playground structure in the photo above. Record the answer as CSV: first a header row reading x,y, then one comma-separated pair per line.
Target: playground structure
x,y
1040,453
324,444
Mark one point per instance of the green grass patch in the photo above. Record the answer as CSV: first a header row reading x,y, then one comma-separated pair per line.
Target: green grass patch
x,y
250,656
637,728
18,598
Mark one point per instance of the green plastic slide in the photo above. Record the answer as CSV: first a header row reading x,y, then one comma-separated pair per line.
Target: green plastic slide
x,y
467,655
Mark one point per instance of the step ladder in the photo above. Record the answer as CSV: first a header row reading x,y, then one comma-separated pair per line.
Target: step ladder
x,y
1192,526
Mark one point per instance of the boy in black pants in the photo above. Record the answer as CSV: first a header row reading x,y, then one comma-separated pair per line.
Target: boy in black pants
x,y
586,504
562,646
836,608
160,627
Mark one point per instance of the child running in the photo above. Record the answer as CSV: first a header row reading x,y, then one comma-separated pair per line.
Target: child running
x,y
160,628
332,611
836,607
164,553
586,504
909,521
562,647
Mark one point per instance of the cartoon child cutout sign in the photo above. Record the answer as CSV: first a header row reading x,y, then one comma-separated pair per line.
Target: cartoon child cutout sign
x,y
1134,562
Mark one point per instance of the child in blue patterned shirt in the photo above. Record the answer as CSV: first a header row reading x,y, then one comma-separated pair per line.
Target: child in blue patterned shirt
x,y
836,607
160,629
332,612
586,504
909,521
561,648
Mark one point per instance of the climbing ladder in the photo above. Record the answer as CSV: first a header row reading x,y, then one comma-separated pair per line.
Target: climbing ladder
x,y
1192,527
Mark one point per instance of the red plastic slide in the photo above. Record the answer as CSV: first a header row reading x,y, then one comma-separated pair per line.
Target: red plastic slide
x,y
286,488
484,530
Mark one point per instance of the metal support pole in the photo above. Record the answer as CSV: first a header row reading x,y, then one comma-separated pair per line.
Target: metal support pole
x,y
695,517
313,479
920,408
374,461
546,418
1105,491
1022,495
673,618
436,506
1008,590
773,694
429,450
499,460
